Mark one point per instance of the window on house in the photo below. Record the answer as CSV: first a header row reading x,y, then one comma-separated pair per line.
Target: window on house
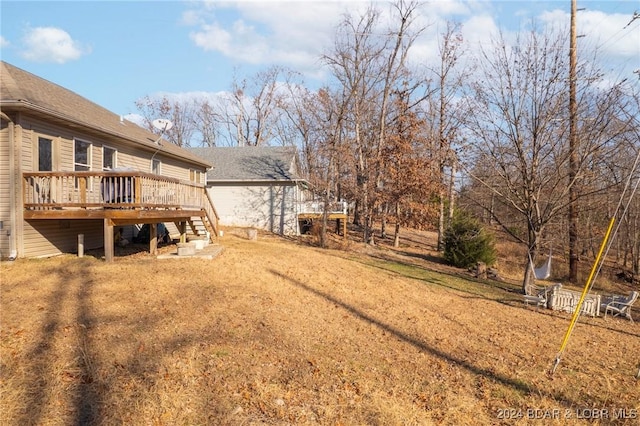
x,y
155,166
108,158
82,161
195,175
45,155
82,156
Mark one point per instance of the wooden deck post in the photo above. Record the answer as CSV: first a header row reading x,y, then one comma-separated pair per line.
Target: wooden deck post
x,y
80,245
108,240
183,232
153,238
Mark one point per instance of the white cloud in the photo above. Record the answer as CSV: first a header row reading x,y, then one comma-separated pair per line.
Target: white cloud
x,y
50,44
135,118
613,35
608,38
4,42
296,33
285,33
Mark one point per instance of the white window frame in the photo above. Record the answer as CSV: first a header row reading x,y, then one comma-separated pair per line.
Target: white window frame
x,y
88,165
37,156
115,157
156,169
89,156
195,175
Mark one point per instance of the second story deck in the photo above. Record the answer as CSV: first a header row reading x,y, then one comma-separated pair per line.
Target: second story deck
x,y
136,197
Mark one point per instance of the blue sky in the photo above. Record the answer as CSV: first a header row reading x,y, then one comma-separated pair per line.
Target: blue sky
x,y
115,52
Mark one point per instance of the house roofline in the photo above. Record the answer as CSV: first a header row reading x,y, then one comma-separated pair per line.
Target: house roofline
x,y
24,105
257,180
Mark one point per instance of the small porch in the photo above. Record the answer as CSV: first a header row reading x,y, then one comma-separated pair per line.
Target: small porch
x,y
118,199
314,210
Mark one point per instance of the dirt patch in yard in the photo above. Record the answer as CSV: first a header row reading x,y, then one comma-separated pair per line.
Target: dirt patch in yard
x,y
276,331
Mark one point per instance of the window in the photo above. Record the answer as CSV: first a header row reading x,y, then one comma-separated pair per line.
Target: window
x,y
82,156
155,166
195,175
82,161
108,158
45,155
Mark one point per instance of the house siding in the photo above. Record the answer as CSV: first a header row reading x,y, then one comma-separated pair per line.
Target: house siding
x,y
128,155
269,206
32,108
5,193
51,237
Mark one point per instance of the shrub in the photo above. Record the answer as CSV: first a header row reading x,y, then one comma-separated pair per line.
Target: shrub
x,y
466,242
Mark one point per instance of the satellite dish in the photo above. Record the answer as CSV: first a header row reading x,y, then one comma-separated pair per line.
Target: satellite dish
x,y
162,124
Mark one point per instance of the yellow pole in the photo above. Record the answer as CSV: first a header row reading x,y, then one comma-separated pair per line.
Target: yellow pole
x,y
587,286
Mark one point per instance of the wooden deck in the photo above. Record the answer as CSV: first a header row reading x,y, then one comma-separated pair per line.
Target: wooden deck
x,y
335,211
118,198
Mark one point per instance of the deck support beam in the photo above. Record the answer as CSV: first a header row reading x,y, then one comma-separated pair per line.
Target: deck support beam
x,y
338,217
153,238
182,227
108,240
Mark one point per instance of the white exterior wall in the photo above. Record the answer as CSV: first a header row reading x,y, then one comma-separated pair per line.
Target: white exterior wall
x,y
272,207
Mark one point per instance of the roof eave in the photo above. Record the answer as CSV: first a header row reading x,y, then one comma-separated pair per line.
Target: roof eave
x,y
255,180
20,105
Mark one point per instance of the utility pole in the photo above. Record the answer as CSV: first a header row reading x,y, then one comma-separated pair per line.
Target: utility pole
x,y
573,148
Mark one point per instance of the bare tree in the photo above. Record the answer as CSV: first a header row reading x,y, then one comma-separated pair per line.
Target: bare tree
x,y
251,112
520,152
447,114
208,122
180,113
369,63
517,153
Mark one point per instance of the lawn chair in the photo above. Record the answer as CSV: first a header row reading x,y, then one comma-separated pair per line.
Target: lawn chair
x,y
539,295
619,305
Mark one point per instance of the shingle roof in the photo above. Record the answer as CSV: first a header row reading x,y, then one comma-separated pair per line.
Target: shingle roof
x,y
237,164
21,90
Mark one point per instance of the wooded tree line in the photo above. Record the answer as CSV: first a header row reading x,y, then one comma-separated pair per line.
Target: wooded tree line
x,y
407,142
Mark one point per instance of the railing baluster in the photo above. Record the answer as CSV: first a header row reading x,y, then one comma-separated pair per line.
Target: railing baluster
x,y
73,190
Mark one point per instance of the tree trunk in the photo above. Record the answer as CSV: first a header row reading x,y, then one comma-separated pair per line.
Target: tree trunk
x,y
441,221
452,192
396,235
532,253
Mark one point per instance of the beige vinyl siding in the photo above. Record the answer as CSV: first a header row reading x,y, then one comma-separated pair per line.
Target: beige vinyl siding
x,y
5,200
271,207
47,238
50,237
129,155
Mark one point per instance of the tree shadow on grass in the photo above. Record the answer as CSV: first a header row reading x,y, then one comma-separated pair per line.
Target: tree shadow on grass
x,y
69,312
43,357
502,292
517,385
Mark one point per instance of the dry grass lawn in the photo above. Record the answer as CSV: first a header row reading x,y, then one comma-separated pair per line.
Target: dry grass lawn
x,y
277,332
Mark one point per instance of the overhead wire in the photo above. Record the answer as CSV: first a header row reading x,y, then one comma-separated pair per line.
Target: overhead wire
x,y
597,265
616,37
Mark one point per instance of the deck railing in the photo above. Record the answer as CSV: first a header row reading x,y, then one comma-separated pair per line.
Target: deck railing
x,y
94,190
318,207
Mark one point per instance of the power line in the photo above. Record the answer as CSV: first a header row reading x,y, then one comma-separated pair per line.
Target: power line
x,y
635,16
